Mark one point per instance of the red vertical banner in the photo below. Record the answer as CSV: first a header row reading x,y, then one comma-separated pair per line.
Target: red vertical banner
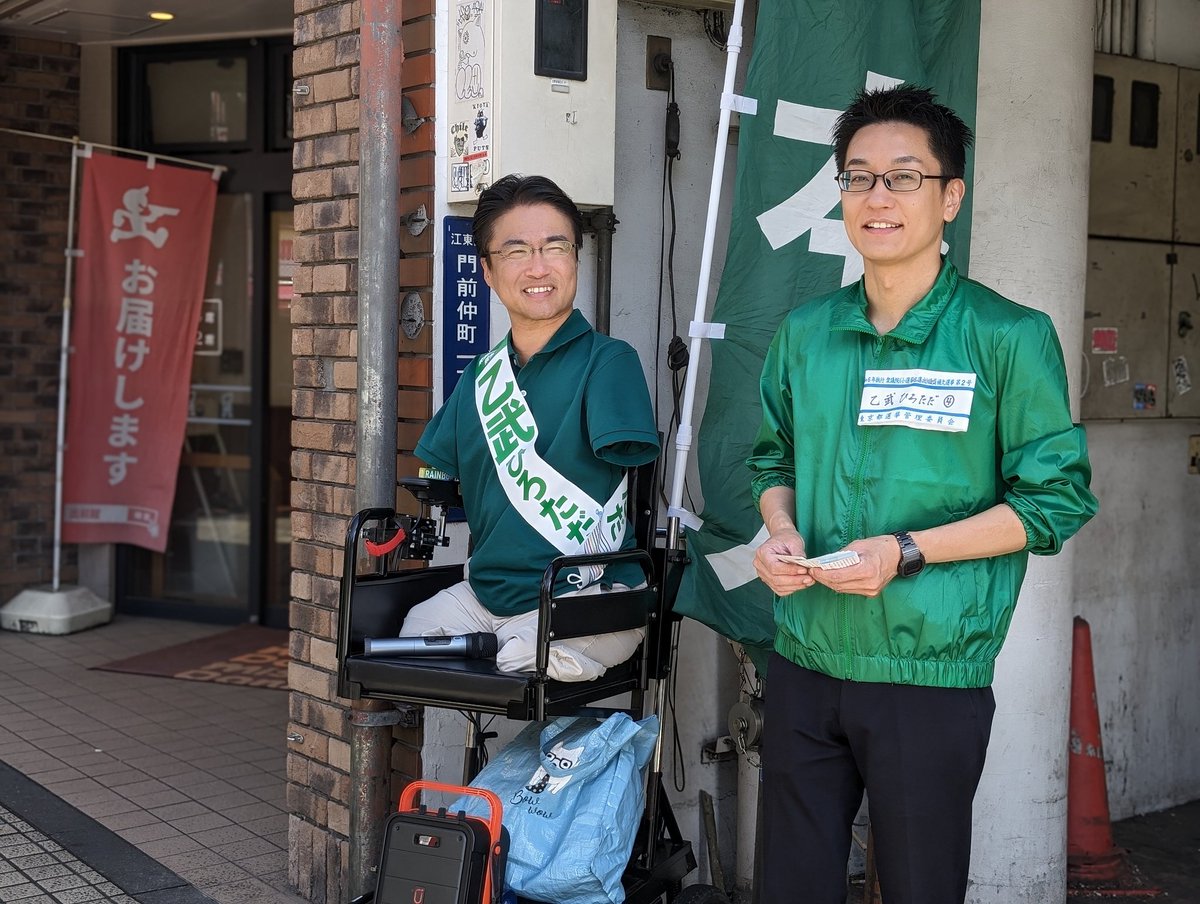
x,y
144,234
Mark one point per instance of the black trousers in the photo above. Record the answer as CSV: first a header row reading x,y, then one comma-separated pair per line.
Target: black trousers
x,y
919,753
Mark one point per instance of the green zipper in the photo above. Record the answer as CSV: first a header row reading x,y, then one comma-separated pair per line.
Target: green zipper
x,y
853,526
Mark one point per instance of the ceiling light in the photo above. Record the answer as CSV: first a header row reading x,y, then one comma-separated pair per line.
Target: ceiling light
x,y
162,17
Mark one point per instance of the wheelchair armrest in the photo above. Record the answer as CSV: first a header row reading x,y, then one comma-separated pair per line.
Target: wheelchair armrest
x,y
577,616
550,575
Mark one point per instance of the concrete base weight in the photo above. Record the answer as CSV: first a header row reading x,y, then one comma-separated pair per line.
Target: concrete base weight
x,y
42,610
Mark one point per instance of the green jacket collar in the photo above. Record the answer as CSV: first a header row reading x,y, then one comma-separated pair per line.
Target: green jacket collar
x,y
850,312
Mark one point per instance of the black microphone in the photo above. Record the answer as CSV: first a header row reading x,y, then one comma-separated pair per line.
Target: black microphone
x,y
467,646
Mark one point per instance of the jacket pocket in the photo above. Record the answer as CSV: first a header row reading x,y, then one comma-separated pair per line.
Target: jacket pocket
x,y
994,587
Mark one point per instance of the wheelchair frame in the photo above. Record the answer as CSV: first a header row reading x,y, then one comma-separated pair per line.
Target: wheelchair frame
x,y
374,605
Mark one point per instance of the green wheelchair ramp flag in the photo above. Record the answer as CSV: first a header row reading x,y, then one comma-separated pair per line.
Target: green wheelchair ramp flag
x,y
787,244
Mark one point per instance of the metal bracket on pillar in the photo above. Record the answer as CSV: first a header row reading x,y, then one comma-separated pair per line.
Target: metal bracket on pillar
x,y
412,315
409,118
601,220
415,220
400,714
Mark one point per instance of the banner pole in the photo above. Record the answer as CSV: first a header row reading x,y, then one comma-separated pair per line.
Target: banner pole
x,y
217,169
683,436
71,253
64,357
57,607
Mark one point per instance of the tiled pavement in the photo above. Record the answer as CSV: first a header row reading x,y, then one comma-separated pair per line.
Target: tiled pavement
x,y
187,781
36,870
51,853
191,773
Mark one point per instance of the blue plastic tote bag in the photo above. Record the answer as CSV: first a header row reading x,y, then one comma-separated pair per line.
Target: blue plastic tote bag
x,y
573,795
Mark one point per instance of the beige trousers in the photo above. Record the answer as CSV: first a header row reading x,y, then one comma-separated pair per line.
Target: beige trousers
x,y
456,610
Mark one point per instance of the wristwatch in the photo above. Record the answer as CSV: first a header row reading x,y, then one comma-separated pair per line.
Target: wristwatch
x,y
911,559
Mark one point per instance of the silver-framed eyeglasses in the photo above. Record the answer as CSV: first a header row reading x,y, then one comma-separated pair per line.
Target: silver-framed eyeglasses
x,y
520,253
895,180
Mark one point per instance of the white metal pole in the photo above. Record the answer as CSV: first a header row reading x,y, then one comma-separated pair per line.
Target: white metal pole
x,y
683,437
64,356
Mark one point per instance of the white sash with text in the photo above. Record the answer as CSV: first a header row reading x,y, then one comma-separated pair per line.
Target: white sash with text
x,y
567,517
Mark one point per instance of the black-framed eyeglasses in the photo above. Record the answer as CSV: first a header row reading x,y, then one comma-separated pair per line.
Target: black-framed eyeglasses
x,y
551,251
895,180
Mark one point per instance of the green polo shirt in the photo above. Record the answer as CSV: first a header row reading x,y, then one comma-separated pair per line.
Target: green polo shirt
x,y
589,398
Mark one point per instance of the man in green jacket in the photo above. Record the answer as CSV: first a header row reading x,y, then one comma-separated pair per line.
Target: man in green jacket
x,y
920,420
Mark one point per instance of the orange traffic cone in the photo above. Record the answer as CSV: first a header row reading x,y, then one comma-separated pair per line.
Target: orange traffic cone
x,y
1091,855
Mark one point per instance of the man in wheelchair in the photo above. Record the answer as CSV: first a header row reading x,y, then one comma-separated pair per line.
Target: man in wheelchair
x,y
539,432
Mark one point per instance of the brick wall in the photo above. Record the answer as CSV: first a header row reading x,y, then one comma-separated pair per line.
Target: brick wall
x,y
39,92
324,349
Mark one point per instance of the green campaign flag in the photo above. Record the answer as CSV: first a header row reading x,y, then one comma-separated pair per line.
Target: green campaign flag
x,y
787,244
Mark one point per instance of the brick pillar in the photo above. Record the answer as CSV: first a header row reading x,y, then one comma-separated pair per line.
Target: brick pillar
x,y
39,92
324,349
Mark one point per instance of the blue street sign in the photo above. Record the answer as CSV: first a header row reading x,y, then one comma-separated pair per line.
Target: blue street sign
x,y
465,301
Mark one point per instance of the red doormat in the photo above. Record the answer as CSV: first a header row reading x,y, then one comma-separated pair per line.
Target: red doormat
x,y
249,655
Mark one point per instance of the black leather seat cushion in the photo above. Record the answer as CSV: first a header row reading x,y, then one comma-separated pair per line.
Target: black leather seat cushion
x,y
476,684
471,683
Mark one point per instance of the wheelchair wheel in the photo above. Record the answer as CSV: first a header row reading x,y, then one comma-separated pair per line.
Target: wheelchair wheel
x,y
701,894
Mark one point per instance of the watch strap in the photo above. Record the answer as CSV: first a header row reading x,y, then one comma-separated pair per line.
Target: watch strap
x,y
910,554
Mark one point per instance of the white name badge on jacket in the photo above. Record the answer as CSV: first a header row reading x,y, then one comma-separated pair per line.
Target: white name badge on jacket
x,y
923,399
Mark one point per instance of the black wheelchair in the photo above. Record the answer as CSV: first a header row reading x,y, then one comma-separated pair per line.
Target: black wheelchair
x,y
374,605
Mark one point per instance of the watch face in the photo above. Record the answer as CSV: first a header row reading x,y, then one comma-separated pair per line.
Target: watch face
x,y
909,567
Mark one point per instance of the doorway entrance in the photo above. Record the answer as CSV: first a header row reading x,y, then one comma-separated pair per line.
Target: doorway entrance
x,y
228,549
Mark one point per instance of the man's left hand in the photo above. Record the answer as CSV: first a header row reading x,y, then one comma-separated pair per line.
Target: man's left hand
x,y
879,558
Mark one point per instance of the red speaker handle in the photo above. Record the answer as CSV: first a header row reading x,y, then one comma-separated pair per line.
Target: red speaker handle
x,y
382,549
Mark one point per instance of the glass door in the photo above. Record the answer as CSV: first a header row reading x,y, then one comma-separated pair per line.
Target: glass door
x,y
228,557
206,571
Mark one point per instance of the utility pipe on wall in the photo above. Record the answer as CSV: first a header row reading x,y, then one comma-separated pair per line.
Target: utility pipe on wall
x,y
371,724
604,223
380,128
1128,27
1146,23
1117,26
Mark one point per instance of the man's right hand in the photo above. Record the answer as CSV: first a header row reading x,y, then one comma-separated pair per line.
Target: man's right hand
x,y
782,577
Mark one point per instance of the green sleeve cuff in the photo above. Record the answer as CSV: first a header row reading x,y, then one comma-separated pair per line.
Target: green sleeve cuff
x,y
627,448
760,483
1049,490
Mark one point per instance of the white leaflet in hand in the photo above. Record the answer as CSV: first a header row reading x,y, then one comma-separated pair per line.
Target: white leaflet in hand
x,y
843,559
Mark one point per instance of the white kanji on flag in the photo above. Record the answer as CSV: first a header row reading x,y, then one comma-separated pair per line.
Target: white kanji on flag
x,y
808,209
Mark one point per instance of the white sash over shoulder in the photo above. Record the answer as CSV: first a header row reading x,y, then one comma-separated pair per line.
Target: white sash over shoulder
x,y
565,515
